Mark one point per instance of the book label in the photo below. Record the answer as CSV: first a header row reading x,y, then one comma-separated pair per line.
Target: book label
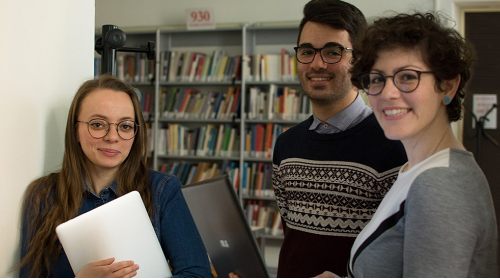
x,y
202,18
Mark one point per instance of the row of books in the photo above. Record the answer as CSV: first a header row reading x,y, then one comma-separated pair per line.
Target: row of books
x,y
275,102
135,68
265,216
188,103
261,138
192,172
187,66
218,140
270,67
262,103
257,180
178,66
207,140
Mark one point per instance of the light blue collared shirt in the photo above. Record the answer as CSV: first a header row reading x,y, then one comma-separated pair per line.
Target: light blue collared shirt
x,y
348,118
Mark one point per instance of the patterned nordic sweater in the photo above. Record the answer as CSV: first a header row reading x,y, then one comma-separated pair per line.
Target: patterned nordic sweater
x,y
327,188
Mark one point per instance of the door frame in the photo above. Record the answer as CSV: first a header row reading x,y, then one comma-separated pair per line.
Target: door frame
x,y
456,9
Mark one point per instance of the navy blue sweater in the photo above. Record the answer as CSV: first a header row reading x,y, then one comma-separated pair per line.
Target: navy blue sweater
x,y
327,187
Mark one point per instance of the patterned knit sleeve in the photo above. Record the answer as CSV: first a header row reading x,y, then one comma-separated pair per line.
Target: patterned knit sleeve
x,y
277,179
279,191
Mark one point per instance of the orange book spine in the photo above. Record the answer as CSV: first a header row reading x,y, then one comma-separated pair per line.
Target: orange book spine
x,y
248,142
259,140
185,100
268,149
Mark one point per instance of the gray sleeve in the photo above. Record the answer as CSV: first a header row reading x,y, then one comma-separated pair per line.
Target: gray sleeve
x,y
441,228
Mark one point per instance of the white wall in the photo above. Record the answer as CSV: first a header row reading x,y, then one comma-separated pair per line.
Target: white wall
x,y
46,52
132,13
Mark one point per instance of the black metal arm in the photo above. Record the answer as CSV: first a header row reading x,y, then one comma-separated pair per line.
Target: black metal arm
x,y
112,41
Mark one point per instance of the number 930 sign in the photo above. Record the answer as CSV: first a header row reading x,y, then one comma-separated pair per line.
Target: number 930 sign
x,y
200,18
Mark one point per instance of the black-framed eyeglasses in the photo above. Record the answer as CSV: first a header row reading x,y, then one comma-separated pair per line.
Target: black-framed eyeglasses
x,y
406,80
99,128
330,53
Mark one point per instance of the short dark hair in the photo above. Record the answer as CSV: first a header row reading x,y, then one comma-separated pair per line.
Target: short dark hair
x,y
337,14
442,48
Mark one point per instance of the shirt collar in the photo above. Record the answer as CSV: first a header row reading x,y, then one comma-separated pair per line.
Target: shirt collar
x,y
111,187
343,120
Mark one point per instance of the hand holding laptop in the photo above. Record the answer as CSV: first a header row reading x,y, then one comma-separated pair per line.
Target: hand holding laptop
x,y
233,275
125,233
109,269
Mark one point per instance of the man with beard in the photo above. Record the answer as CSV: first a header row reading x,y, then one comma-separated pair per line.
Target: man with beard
x,y
331,171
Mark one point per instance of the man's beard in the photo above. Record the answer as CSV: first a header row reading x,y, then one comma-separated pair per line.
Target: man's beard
x,y
323,97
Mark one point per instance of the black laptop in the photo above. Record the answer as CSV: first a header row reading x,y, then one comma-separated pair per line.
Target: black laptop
x,y
226,234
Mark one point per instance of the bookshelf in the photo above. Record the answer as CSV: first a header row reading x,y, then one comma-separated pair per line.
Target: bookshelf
x,y
206,117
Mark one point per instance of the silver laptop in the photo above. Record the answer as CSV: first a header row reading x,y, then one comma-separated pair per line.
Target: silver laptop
x,y
226,234
121,229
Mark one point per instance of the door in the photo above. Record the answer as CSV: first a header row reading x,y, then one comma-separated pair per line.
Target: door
x,y
482,30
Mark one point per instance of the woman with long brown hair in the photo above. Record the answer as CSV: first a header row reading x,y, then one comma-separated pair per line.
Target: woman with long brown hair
x,y
105,157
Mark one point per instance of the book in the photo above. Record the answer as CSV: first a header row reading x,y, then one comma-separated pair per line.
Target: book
x,y
199,68
236,103
174,65
184,103
226,103
222,68
220,138
268,142
232,138
206,69
216,105
201,140
225,141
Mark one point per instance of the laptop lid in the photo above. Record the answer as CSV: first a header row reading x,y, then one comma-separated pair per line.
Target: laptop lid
x,y
226,234
121,229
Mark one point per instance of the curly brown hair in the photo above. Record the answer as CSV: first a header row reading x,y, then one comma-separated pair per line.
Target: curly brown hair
x,y
442,48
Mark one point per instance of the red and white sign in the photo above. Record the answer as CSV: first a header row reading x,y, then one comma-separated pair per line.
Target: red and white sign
x,y
200,18
482,103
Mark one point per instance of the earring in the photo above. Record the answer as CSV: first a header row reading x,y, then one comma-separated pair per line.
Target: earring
x,y
447,100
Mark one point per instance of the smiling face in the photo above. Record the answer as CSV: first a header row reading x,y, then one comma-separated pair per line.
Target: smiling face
x,y
109,152
325,83
414,116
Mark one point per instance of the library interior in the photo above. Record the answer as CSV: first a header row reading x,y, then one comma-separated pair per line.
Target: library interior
x,y
217,82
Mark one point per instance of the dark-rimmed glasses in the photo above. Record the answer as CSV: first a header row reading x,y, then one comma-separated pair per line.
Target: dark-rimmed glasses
x,y
330,53
406,80
99,128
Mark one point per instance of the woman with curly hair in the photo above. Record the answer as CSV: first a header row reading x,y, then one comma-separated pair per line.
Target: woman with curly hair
x,y
438,218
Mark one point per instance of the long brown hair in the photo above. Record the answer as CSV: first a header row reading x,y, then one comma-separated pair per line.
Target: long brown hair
x,y
57,197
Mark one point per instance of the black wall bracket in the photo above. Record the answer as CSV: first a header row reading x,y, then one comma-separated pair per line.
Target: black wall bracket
x,y
113,40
